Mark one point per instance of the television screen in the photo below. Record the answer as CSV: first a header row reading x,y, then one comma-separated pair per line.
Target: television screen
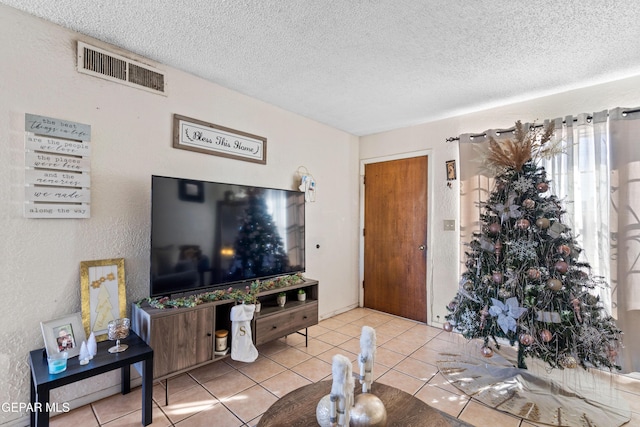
x,y
209,234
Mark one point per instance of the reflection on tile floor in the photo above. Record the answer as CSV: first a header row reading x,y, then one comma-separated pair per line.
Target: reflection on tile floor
x,y
235,394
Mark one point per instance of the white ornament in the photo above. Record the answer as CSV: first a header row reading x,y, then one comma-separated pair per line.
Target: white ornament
x,y
508,312
92,346
84,354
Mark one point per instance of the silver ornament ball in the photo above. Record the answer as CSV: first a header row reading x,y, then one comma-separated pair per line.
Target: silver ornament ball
x,y
323,412
368,411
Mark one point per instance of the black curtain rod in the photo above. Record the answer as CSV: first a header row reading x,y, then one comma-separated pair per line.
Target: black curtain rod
x,y
483,135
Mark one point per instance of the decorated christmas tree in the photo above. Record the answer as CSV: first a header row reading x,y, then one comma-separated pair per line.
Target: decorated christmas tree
x,y
524,280
258,248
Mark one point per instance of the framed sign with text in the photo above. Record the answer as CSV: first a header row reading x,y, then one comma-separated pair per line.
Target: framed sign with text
x,y
57,168
202,137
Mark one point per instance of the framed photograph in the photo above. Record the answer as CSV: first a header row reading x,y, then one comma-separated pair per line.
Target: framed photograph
x,y
202,137
103,294
191,191
451,170
64,334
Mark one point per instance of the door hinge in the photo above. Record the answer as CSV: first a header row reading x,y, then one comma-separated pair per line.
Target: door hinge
x,y
363,284
363,232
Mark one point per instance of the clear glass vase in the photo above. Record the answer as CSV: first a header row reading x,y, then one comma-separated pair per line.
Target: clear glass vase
x,y
118,330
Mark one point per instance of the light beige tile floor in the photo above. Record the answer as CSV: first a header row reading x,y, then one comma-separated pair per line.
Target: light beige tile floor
x,y
235,394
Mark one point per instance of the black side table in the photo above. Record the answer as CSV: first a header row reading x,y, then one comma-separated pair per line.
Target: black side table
x,y
42,382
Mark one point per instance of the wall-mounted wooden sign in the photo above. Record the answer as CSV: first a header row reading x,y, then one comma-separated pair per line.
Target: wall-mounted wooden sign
x,y
36,159
57,178
55,194
196,135
48,126
58,164
58,146
57,210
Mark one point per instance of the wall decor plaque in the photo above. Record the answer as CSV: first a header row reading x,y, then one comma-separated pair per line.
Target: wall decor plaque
x,y
202,137
49,126
58,165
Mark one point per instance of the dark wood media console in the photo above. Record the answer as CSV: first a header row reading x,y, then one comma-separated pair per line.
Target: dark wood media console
x,y
183,338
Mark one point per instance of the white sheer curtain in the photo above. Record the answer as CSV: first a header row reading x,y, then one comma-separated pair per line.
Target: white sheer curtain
x,y
598,179
580,178
625,229
475,183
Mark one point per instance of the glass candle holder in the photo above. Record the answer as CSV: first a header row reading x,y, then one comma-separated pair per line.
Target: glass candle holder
x,y
118,330
57,362
221,340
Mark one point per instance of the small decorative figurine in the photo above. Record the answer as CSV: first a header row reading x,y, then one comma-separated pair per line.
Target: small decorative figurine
x,y
84,356
333,409
92,345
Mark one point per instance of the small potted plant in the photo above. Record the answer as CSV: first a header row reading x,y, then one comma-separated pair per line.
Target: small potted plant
x,y
252,295
302,295
282,299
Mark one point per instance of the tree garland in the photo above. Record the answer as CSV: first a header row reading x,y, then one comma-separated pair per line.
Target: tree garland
x,y
247,295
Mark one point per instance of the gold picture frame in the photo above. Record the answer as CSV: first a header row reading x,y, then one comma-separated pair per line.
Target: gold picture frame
x,y
64,334
103,293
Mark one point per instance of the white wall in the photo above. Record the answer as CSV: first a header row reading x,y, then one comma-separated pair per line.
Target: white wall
x,y
131,140
443,275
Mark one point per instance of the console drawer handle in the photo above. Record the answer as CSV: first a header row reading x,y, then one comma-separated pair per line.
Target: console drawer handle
x,y
305,317
274,327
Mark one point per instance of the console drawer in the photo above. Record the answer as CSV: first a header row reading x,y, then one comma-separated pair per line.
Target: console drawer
x,y
278,324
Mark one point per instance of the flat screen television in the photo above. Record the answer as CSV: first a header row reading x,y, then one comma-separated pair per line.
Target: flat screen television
x,y
207,235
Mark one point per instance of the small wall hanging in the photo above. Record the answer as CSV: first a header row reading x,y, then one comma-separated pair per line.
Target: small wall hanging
x,y
451,170
307,184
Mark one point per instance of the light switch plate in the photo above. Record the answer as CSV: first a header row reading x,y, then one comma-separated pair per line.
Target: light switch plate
x,y
449,225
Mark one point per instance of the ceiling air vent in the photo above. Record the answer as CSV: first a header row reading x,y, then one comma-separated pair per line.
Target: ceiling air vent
x,y
101,63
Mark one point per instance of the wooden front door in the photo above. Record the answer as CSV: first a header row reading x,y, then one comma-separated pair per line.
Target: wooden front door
x,y
395,237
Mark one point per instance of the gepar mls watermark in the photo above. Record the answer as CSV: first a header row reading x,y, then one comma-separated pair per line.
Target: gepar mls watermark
x,y
20,407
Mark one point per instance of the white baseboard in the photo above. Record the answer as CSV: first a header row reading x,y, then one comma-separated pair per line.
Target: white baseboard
x,y
339,311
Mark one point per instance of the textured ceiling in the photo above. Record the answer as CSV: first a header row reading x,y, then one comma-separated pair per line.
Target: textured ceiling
x,y
366,66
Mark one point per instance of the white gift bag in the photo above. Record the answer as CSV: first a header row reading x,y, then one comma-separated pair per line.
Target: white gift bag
x,y
242,348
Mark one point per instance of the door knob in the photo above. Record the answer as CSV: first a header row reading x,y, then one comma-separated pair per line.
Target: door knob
x,y
422,247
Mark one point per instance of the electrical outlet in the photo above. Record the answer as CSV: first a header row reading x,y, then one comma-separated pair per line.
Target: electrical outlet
x,y
449,225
